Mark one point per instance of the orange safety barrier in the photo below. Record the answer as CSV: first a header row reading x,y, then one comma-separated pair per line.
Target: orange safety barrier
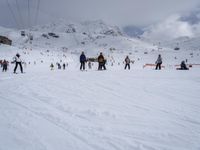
x,y
151,65
190,65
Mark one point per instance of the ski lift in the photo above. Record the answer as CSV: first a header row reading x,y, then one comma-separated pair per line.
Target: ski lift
x,y
21,21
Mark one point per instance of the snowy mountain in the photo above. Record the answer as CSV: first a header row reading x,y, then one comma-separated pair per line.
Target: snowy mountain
x,y
184,43
182,30
133,31
91,36
116,109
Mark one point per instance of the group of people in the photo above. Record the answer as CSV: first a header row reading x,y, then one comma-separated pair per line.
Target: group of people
x,y
183,65
18,62
101,62
83,59
4,65
59,66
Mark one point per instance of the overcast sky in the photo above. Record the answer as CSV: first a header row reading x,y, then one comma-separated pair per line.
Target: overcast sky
x,y
116,12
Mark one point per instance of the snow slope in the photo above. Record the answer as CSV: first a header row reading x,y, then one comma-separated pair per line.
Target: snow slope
x,y
184,43
140,109
129,110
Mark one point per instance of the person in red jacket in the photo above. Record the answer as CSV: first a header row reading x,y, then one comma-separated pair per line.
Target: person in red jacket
x,y
5,65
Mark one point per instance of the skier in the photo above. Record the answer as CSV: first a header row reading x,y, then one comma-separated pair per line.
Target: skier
x,y
183,66
102,62
5,65
159,62
18,61
59,66
51,66
82,61
64,66
127,63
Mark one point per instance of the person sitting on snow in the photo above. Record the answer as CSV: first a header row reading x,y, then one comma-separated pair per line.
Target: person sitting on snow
x,y
183,66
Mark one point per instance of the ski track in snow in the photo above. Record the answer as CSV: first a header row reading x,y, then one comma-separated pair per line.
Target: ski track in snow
x,y
136,110
141,109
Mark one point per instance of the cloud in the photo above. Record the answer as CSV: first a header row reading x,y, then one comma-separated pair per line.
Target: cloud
x,y
116,12
171,28
175,26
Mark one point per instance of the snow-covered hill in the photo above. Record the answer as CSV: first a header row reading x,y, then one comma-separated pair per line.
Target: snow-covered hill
x,y
88,36
123,110
140,109
184,43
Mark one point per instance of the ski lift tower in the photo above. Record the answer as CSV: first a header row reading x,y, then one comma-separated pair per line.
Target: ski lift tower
x,y
30,38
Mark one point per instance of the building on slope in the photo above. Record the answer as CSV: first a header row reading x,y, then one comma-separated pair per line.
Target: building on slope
x,y
5,40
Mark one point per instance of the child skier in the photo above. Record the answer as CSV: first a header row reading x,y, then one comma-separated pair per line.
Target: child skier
x,y
52,66
5,65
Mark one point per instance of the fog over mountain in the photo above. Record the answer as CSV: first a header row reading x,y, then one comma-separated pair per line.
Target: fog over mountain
x,y
175,26
25,13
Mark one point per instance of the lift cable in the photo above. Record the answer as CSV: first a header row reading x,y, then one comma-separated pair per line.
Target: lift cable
x,y
12,13
20,15
37,12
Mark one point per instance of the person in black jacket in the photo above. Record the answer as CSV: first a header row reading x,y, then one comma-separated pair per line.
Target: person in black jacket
x,y
183,66
64,66
127,63
82,61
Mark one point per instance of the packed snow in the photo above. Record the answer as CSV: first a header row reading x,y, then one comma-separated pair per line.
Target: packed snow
x,y
116,109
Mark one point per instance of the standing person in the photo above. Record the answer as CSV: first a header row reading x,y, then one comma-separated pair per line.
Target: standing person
x,y
127,63
5,65
159,62
59,66
64,66
18,61
82,61
102,62
51,66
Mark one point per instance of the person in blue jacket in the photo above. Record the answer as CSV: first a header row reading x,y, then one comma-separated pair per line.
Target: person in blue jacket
x,y
82,61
